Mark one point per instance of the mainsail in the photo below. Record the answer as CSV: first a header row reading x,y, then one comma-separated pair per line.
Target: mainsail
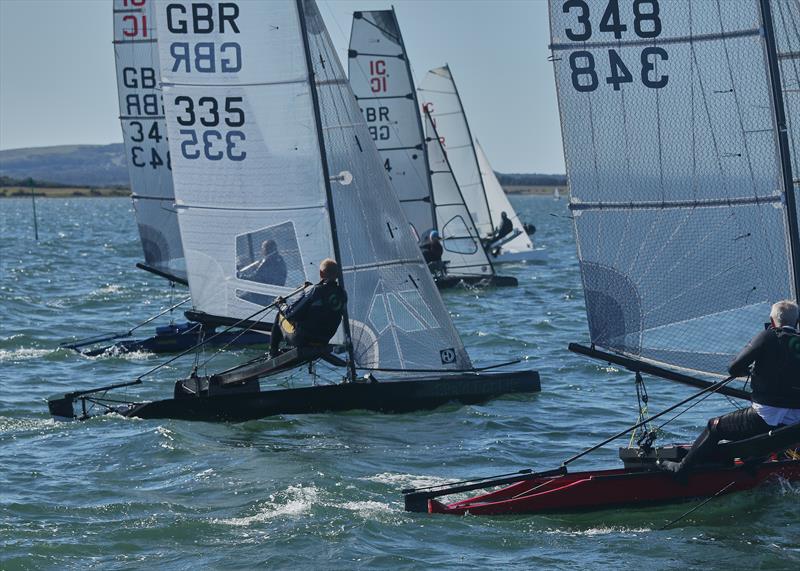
x,y
380,76
499,203
441,99
273,158
145,135
675,175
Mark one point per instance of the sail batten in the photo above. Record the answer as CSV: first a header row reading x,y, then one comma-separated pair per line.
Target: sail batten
x,y
675,177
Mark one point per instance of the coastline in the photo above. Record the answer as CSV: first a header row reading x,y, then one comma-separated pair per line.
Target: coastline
x,y
61,192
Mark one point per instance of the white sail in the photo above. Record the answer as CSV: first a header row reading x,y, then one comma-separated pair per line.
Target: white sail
x,y
381,80
145,136
259,156
499,203
462,246
380,76
674,174
440,97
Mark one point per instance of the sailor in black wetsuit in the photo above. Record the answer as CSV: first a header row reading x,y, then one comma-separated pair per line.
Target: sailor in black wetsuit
x,y
432,249
506,227
314,318
775,378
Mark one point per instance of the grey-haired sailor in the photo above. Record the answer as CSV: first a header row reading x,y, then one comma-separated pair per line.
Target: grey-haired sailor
x,y
775,379
314,318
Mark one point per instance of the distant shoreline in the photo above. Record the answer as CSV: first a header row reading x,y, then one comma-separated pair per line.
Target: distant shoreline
x,y
86,192
59,192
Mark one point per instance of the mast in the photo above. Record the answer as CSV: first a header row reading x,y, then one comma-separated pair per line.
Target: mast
x,y
472,145
351,368
447,161
419,121
779,114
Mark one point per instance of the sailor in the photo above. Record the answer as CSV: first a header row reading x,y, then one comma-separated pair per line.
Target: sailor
x,y
775,358
314,318
270,269
506,227
432,249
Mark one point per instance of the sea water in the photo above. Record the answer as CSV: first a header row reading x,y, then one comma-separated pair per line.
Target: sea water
x,y
322,491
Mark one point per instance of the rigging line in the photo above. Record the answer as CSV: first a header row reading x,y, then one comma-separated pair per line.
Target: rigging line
x,y
709,389
204,341
698,506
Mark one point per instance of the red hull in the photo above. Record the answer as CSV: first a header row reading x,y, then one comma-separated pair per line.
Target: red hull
x,y
584,491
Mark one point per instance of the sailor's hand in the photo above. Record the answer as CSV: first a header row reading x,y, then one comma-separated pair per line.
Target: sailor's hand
x,y
307,284
280,300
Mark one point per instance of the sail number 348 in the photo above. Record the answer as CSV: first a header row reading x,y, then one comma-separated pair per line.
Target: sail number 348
x,y
646,25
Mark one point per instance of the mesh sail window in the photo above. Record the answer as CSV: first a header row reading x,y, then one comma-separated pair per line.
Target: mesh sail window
x,y
674,174
145,135
440,97
246,158
499,203
380,77
462,246
397,318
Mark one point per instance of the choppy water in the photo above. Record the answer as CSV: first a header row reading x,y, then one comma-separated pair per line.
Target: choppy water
x,y
320,491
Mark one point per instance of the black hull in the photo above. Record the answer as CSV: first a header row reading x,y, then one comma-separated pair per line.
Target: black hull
x,y
388,397
448,282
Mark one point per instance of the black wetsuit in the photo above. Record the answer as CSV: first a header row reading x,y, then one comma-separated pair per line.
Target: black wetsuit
x,y
506,227
775,356
315,316
432,250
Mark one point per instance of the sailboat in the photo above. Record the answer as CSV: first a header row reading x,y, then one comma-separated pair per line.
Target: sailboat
x,y
484,196
680,171
380,76
149,164
268,144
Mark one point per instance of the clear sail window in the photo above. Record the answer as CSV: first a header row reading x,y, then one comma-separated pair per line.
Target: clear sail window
x,y
457,237
270,256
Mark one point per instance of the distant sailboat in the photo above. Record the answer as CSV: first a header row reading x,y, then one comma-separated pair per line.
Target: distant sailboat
x,y
380,75
484,196
269,145
150,169
556,194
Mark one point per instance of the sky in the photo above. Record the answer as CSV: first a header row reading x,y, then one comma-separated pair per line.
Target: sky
x,y
58,84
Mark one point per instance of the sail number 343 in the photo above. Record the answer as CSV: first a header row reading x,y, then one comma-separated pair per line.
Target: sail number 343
x,y
646,25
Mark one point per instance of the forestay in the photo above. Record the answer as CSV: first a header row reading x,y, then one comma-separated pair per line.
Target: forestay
x,y
440,97
380,77
499,203
462,246
251,180
674,175
145,135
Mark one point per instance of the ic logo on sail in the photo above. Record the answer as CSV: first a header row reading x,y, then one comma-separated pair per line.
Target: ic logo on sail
x,y
448,356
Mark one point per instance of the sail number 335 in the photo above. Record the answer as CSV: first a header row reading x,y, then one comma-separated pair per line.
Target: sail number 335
x,y
646,22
